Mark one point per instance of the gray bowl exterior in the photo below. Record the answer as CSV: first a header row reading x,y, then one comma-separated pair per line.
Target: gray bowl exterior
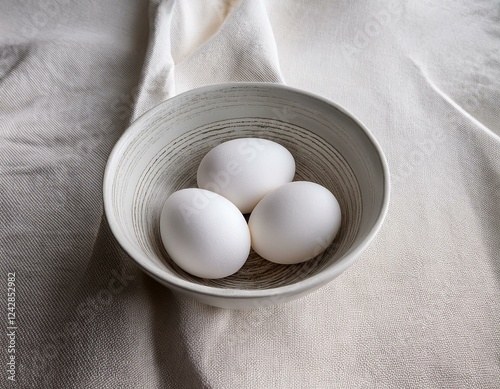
x,y
159,153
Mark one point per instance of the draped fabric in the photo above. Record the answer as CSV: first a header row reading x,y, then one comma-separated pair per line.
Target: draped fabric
x,y
421,307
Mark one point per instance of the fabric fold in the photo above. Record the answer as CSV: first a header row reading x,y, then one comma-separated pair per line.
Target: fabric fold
x,y
157,80
243,50
192,45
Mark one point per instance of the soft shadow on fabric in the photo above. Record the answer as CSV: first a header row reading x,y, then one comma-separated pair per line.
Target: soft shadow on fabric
x,y
174,365
112,283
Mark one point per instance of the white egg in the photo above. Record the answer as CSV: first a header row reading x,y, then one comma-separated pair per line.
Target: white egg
x,y
244,170
295,222
204,233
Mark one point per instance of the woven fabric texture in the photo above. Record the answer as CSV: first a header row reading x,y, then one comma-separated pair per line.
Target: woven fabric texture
x,y
421,307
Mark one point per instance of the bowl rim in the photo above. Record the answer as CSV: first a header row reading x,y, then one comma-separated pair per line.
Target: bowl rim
x,y
299,287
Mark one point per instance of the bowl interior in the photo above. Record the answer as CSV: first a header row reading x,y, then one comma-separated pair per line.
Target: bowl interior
x,y
161,151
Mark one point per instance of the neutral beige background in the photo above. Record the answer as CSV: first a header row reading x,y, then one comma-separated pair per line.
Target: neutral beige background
x,y
421,308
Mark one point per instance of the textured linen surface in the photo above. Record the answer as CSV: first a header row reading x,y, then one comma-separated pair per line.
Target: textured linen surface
x,y
421,308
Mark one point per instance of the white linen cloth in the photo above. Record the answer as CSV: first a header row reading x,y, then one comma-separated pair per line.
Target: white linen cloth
x,y
421,308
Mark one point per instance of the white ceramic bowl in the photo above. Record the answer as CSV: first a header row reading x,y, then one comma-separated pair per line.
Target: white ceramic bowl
x,y
160,153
